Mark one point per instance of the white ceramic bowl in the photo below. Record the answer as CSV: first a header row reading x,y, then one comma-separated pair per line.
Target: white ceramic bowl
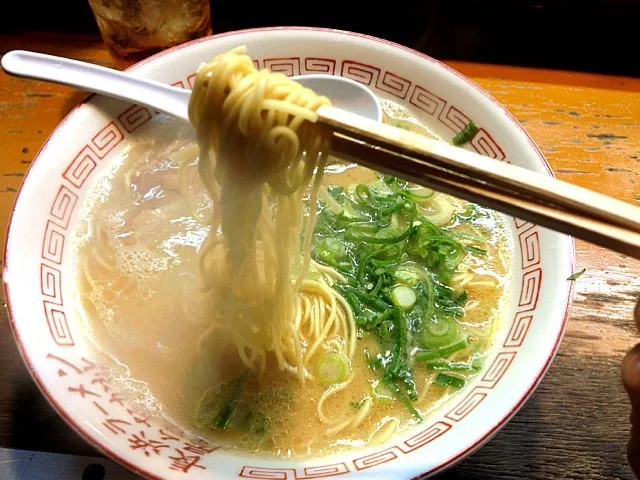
x,y
40,284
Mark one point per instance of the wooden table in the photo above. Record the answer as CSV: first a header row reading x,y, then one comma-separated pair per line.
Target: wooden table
x,y
588,126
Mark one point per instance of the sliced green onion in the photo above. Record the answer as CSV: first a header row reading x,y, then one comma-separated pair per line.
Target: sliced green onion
x,y
438,332
334,246
403,297
418,198
364,227
407,276
577,275
362,193
393,251
380,319
396,207
331,251
426,355
364,297
218,405
476,250
382,394
400,343
404,399
377,287
381,188
440,212
444,380
426,289
353,302
209,409
332,368
447,366
232,401
363,266
466,134
466,236
380,237
350,214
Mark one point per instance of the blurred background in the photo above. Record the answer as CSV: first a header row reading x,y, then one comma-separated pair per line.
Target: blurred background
x,y
597,36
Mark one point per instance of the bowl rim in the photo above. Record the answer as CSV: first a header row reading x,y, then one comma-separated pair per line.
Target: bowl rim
x,y
139,470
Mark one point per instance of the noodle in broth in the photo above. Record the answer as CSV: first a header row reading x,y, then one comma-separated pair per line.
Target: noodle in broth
x,y
259,153
245,279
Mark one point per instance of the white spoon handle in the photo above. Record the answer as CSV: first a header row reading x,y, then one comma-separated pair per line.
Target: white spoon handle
x,y
94,78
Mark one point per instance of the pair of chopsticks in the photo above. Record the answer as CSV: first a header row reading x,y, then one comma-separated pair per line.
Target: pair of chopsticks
x,y
513,190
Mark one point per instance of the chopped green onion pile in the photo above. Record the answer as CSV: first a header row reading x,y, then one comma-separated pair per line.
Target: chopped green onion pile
x,y
444,380
399,268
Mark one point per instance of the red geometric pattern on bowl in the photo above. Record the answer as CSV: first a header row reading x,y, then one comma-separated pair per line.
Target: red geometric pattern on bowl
x,y
323,471
519,329
81,167
530,290
497,369
393,84
467,405
530,245
63,205
426,101
360,72
51,283
191,80
287,66
485,145
58,325
320,65
53,242
151,438
90,382
134,117
106,139
453,118
378,458
425,436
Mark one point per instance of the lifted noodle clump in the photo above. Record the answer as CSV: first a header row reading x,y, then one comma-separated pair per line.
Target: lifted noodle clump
x,y
260,154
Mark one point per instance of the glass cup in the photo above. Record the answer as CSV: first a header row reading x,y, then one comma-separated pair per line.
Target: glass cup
x,y
134,29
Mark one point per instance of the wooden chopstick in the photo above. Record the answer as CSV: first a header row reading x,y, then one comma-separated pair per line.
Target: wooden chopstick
x,y
517,191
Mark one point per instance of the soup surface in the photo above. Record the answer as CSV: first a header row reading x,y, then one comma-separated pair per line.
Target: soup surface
x,y
137,260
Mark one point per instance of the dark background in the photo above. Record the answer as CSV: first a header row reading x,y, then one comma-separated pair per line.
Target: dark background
x,y
600,36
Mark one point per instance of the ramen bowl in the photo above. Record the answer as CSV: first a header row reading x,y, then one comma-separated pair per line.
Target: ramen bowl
x,y
40,277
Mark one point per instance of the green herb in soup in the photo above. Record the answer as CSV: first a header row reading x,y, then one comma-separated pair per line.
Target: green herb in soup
x,y
398,249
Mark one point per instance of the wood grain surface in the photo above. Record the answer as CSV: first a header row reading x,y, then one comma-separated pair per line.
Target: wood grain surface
x,y
588,126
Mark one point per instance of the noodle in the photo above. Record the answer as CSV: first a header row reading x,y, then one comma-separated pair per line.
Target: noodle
x,y
259,154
